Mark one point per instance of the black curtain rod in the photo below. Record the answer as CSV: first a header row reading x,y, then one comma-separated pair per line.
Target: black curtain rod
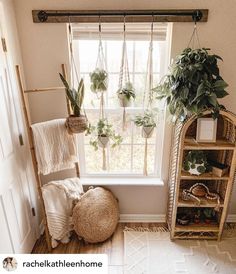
x,y
43,15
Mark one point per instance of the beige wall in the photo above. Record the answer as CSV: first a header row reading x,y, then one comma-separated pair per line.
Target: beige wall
x,y
44,48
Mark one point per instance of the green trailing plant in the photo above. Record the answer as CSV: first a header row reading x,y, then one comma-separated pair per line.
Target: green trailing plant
x,y
98,78
193,85
103,129
196,159
209,213
148,119
75,97
127,91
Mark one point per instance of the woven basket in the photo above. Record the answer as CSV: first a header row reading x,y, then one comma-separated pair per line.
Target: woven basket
x,y
96,215
76,124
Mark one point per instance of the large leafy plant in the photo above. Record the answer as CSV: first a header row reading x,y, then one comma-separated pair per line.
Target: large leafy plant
x,y
196,159
193,85
103,129
76,97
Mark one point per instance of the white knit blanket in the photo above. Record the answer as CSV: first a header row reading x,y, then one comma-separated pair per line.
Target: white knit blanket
x,y
58,199
55,148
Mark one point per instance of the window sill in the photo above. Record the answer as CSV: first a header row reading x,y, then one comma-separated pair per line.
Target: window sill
x,y
122,181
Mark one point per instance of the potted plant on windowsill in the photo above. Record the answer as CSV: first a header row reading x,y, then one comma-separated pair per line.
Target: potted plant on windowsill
x,y
193,85
99,80
102,133
126,94
76,122
147,121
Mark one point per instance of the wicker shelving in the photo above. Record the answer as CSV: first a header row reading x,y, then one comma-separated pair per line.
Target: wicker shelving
x,y
222,151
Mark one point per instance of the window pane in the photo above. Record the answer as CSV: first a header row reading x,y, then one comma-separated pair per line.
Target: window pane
x,y
93,159
138,159
120,159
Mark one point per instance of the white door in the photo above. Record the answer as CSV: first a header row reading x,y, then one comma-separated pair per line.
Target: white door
x,y
17,231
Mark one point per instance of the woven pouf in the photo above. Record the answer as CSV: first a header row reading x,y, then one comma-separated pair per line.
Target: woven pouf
x,y
96,215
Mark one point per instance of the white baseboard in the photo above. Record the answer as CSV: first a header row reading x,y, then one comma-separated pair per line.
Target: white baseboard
x,y
231,218
157,218
142,218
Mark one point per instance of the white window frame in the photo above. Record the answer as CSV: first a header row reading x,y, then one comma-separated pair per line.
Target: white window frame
x,y
160,132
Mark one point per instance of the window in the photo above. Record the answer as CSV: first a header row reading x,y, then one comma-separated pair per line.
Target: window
x,y
127,159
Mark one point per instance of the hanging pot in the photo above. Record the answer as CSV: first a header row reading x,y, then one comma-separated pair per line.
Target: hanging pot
x,y
103,141
76,124
147,132
124,101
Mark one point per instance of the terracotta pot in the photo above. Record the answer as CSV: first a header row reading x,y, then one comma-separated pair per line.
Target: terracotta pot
x,y
147,132
124,101
207,221
76,124
103,141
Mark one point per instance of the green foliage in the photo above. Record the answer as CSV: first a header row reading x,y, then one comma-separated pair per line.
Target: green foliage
x,y
193,85
148,119
98,78
209,213
76,97
195,157
103,129
127,90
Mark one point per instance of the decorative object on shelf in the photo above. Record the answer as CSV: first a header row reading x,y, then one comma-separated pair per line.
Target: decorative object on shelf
x,y
183,218
206,130
219,169
76,122
96,215
103,131
209,215
197,216
195,162
194,83
148,118
126,90
198,191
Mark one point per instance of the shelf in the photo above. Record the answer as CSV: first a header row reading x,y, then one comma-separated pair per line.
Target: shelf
x,y
205,176
192,144
204,203
197,227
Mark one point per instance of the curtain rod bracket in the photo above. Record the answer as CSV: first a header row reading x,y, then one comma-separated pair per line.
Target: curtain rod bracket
x,y
42,16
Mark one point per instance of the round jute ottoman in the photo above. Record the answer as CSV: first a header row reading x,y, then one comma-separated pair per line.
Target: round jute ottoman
x,y
96,215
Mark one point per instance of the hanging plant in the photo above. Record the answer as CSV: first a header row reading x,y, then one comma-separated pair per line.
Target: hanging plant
x,y
76,122
102,134
99,80
147,121
125,94
193,85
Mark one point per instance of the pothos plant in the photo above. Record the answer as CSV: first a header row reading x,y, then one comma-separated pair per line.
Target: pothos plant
x,y
99,80
103,130
193,85
148,119
127,91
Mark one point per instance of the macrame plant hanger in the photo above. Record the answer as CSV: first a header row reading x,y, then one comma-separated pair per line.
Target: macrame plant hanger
x,y
73,68
148,96
124,72
101,64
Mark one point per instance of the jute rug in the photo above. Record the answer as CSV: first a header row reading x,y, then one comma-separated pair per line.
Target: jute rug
x,y
154,253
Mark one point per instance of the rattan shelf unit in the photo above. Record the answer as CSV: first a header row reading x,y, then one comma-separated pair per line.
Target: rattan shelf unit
x,y
223,151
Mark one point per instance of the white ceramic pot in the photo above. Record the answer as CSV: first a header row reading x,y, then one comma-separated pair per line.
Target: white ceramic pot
x,y
147,132
103,141
124,101
194,171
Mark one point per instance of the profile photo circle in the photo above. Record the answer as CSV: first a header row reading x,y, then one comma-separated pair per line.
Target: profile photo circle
x,y
10,264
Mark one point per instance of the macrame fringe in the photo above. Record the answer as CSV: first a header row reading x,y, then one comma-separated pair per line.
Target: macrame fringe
x,y
145,173
160,228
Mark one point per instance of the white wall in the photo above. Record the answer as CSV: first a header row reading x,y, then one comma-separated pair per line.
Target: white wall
x,y
44,48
